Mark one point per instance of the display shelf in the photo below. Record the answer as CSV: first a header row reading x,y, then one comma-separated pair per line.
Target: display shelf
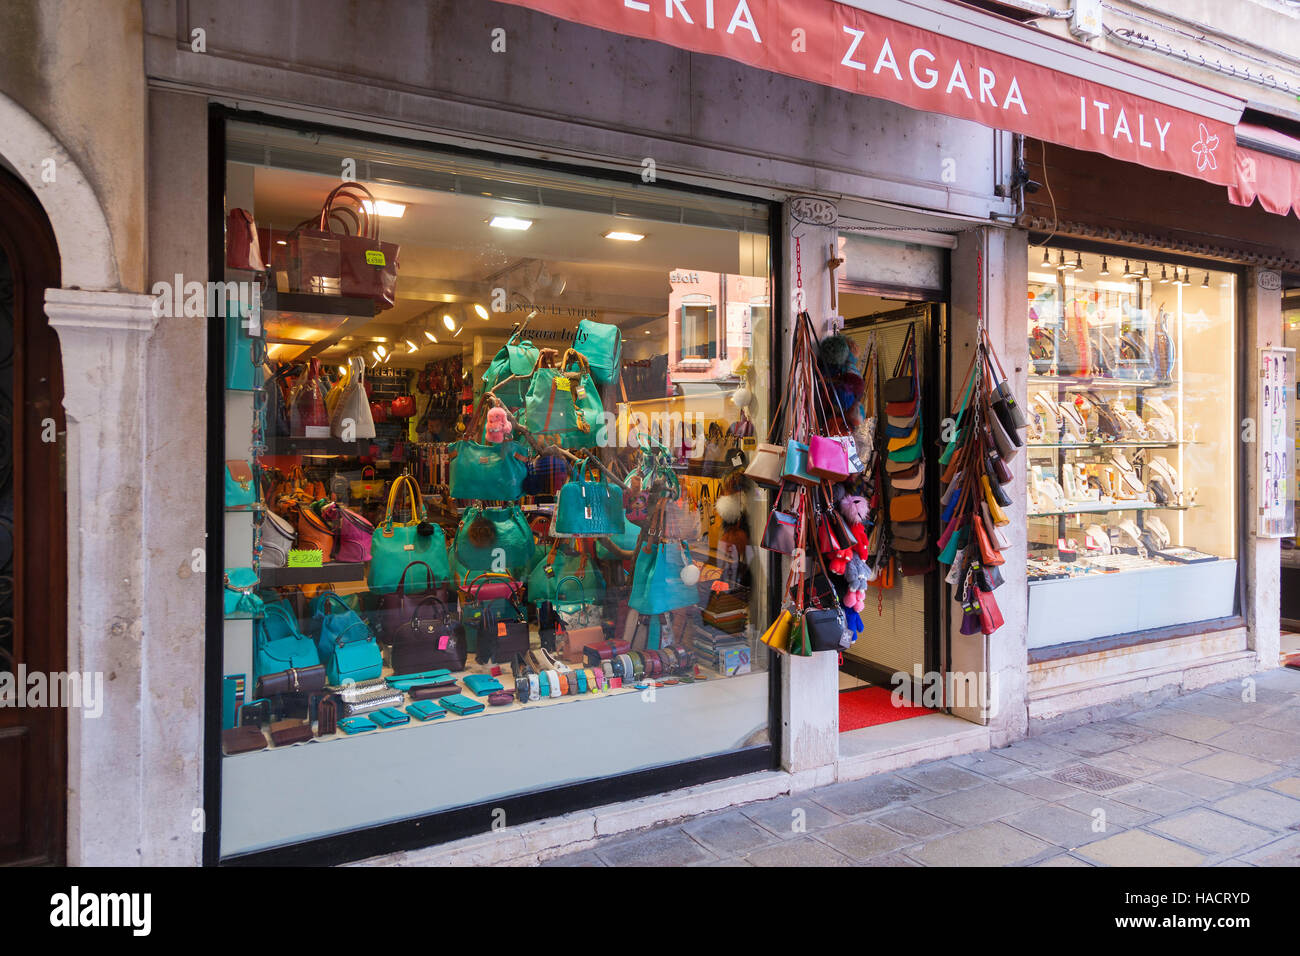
x,y
310,321
329,573
1099,382
1104,508
245,616
245,509
1102,446
317,447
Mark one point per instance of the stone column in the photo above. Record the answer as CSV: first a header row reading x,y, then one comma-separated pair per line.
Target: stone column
x,y
103,336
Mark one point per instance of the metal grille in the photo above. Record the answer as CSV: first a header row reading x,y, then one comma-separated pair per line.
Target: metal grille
x,y
1091,778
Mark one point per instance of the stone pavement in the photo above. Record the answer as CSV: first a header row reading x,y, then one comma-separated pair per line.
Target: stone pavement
x,y
1204,780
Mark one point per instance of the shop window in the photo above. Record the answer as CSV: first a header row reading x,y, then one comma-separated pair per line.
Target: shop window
x,y
438,481
1133,446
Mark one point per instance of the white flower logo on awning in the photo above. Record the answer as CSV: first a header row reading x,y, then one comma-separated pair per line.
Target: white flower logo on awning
x,y
1204,149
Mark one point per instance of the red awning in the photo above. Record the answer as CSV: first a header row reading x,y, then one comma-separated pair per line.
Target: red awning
x,y
1273,179
944,58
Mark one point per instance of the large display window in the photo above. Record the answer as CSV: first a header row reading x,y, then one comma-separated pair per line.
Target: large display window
x,y
1133,446
487,532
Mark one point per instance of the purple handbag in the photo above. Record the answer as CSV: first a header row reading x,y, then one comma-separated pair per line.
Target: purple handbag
x,y
354,537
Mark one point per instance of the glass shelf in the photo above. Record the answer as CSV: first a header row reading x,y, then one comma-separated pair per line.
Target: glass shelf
x,y
1099,382
244,509
1102,446
1099,508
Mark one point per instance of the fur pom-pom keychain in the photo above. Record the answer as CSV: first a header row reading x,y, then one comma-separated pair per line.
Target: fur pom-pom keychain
x,y
482,533
733,497
854,508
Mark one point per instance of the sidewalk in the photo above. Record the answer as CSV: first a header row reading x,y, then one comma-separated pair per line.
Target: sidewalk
x,y
1205,780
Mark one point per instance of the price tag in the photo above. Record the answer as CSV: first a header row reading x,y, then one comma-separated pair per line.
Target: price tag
x,y
306,559
443,639
501,628
375,258
562,384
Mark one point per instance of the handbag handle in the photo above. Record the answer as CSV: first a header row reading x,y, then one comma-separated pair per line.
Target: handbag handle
x,y
401,582
418,512
570,577
368,468
329,597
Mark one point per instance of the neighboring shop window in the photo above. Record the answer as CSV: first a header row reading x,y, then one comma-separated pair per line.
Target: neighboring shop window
x,y
1291,336
1132,444
474,542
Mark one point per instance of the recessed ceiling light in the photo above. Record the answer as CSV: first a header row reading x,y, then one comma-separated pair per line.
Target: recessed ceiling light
x,y
449,322
383,352
281,242
382,207
482,312
431,337
625,236
510,222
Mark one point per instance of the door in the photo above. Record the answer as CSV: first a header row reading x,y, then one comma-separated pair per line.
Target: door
x,y
33,536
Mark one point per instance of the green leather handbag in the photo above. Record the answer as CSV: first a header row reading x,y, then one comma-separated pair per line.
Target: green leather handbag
x,y
602,345
588,508
563,405
393,546
493,539
544,578
515,361
657,585
494,471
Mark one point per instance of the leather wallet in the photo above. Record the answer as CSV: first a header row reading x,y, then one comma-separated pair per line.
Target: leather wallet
x,y
407,681
460,704
327,716
356,725
390,717
434,691
296,680
482,684
500,698
242,740
425,710
285,732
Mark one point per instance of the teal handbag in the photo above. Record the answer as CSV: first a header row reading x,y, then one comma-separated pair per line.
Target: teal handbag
x,y
241,486
354,656
278,644
602,344
561,406
331,618
544,579
488,472
796,464
588,508
514,359
393,546
657,585
240,592
625,540
244,353
493,539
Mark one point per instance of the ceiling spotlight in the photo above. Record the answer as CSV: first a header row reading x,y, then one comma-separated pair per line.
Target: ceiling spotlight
x,y
510,222
457,332
431,337
1061,265
383,352
1078,262
625,236
343,370
449,322
382,207
411,346
1164,276
1105,268
1047,258
482,312
375,353
1146,273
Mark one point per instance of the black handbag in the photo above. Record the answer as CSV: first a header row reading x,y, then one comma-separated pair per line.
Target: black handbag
x,y
432,639
500,639
781,532
825,628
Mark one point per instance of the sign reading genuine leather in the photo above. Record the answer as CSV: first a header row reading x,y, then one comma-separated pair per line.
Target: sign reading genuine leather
x,y
841,46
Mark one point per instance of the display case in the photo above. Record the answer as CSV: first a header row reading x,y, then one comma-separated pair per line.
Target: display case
x,y
1132,452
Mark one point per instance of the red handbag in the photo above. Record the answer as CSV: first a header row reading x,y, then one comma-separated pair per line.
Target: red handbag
x,y
379,412
243,251
402,407
339,263
308,417
990,613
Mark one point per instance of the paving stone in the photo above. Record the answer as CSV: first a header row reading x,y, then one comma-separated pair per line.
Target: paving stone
x,y
804,851
1086,741
1285,679
1233,767
1056,824
1037,755
670,847
1120,761
1197,784
1063,860
860,841
942,777
585,858
1118,816
1262,807
980,804
778,816
1282,718
1261,742
1183,724
1285,852
991,765
1263,693
733,861
1229,708
1157,800
889,859
728,834
913,822
1139,848
991,844
1045,788
1290,786
1213,831
863,796
1169,750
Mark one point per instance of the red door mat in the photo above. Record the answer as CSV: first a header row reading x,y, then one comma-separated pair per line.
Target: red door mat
x,y
874,705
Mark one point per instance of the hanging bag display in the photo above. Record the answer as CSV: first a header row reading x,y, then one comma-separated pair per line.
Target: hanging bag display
x,y
509,373
562,404
602,345
393,546
483,470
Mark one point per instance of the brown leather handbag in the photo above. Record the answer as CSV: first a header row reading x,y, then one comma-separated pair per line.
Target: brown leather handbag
x,y
907,508
314,534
